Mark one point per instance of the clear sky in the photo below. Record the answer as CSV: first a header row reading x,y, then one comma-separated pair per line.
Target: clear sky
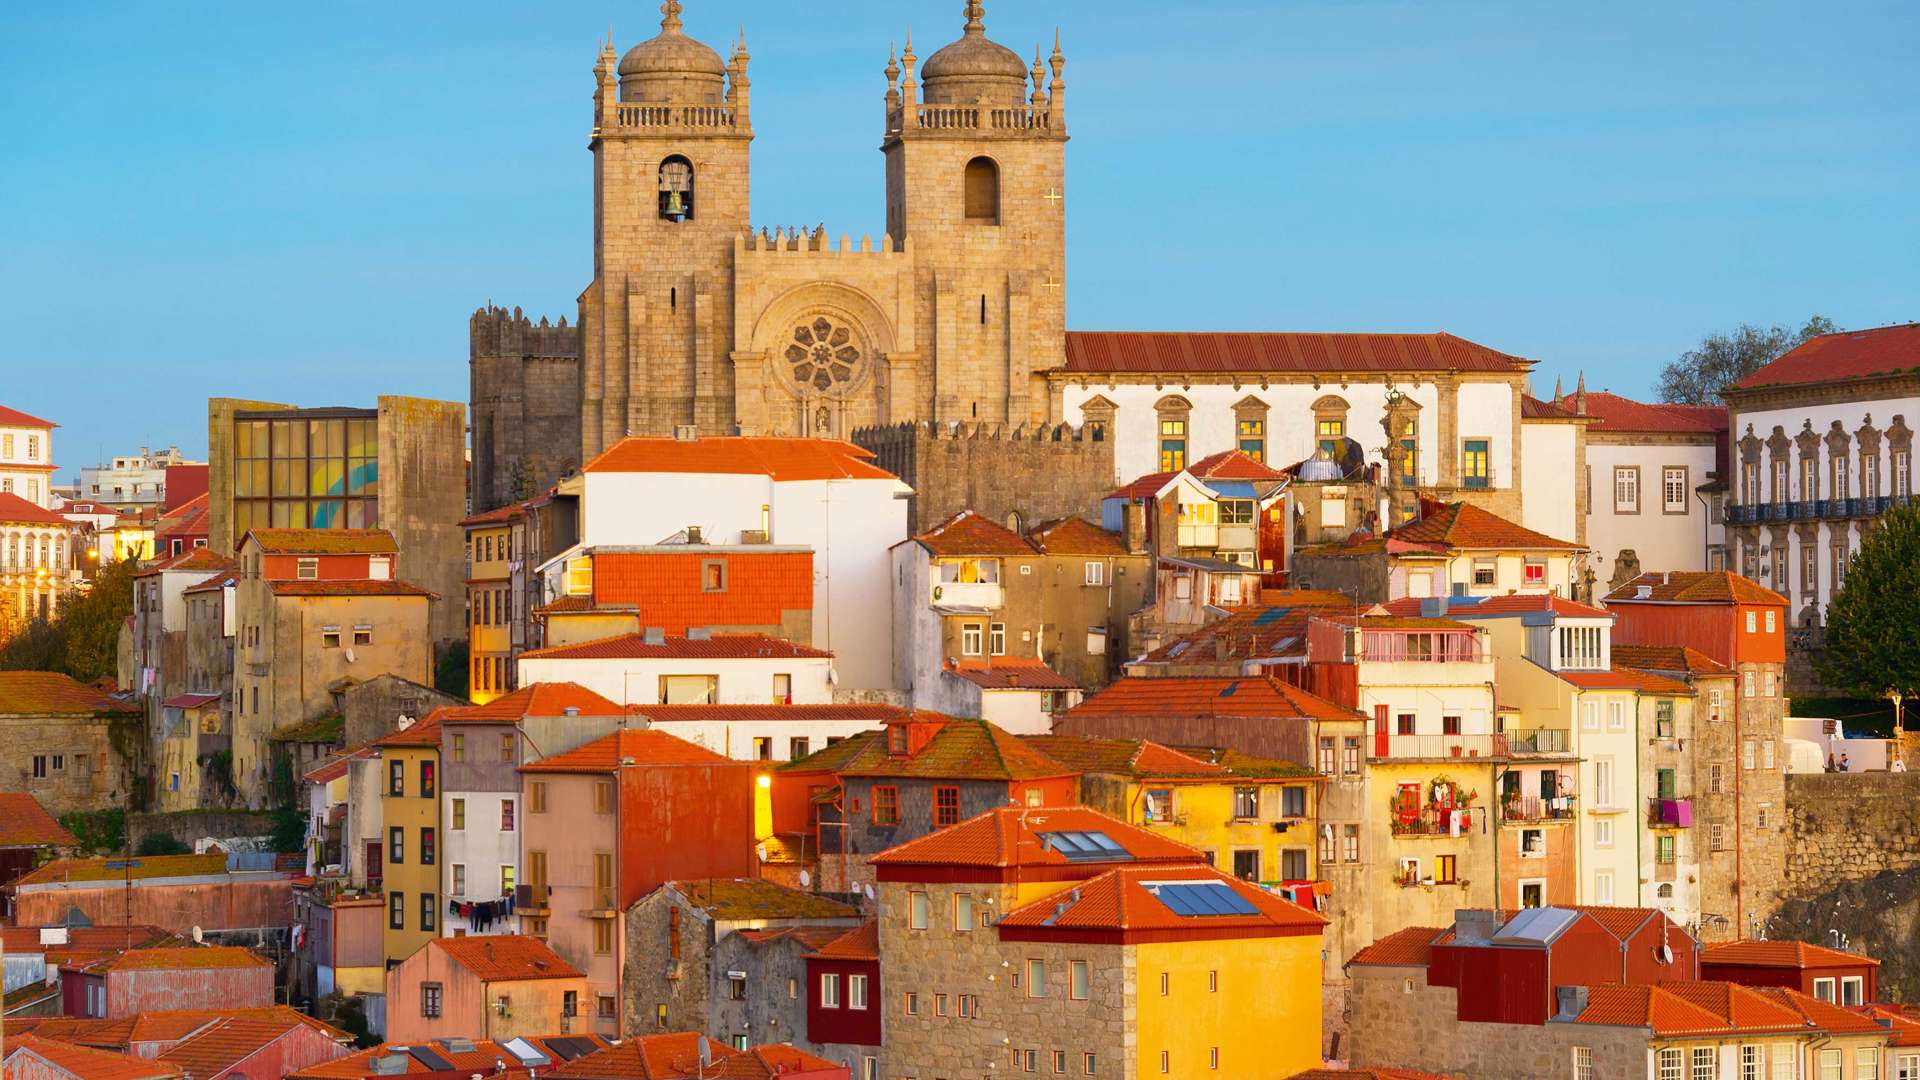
x,y
304,202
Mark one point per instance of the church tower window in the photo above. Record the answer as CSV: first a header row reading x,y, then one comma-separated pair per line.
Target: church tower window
x,y
983,192
676,189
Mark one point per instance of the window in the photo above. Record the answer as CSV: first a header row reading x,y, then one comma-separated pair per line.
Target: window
x,y
982,192
917,910
713,575
426,846
1830,1067
1747,754
970,639
396,845
537,797
946,806
1096,641
1163,984
1906,1067
676,189
506,881
396,774
1443,869
1616,716
1716,779
1823,989
1853,990
1173,444
1533,843
1253,438
1329,764
1717,837
1404,723
1078,979
1474,463
1246,865
939,1004
1246,803
506,749
1663,849
1087,1062
1293,802
396,911
1866,1059
1096,573
459,813
763,748
363,635
689,689
886,805
1602,833
329,637
426,779
506,815
1059,1061
1350,755
1784,1064
1762,817
1485,572
603,937
1036,978
1626,489
856,991
997,639
1534,572
912,1003
1603,782
829,991
1163,1061
1350,843
459,748
798,748
1672,1064
306,569
603,796
1673,489
1766,754
428,911
1751,1060
1704,1065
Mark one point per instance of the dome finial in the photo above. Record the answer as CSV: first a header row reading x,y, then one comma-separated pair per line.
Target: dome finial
x,y
976,16
670,17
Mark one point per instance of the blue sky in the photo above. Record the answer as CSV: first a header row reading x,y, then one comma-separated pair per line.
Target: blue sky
x,y
305,202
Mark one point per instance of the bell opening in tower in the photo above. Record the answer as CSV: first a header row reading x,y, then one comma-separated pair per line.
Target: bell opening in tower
x,y
983,192
676,189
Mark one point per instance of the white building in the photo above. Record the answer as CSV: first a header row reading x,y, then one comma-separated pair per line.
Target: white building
x,y
761,732
1647,466
652,668
135,481
26,456
1823,443
815,493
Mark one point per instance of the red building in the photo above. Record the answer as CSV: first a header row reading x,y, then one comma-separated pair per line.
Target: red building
x,y
26,832
1827,974
146,980
1512,965
1733,620
320,554
853,955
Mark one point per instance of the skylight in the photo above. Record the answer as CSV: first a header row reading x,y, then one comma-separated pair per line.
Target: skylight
x,y
1199,899
1079,846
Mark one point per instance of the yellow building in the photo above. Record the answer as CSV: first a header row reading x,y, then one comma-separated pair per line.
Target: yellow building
x,y
491,609
1082,945
1255,818
410,809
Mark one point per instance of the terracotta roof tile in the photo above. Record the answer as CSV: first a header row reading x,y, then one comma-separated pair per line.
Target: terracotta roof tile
x,y
1532,408
1248,633
349,587
1011,837
1468,607
193,560
1668,658
960,749
718,647
1010,673
1849,354
1144,759
1464,525
967,533
1409,947
644,747
49,693
505,957
1365,1074
150,866
16,510
186,958
324,541
11,417
1127,899
678,1056
1624,678
217,581
1782,954
26,939
25,823
1129,351
741,899
860,943
1664,1013
781,458
1612,412
498,516
480,1060
545,699
224,1044
80,1061
1695,587
1142,487
1184,695
421,733
868,712
1076,536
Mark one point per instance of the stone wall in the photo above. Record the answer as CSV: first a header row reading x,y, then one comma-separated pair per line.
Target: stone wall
x,y
1041,473
1398,1021
1849,826
373,708
1878,915
192,825
524,381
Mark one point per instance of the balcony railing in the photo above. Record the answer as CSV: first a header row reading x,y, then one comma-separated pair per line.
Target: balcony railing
x,y
1433,821
1812,509
1670,813
1538,741
970,594
1528,808
1439,746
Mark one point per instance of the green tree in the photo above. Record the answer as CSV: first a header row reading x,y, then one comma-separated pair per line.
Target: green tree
x,y
83,637
1700,373
160,843
450,674
1872,622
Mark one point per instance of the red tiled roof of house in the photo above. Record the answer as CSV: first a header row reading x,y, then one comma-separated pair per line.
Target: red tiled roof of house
x,y
505,957
480,1060
1207,695
189,701
419,733
1077,536
195,560
1466,607
1263,632
1234,465
1464,525
579,605
1142,487
1127,899
224,1044
1012,837
1824,1015
185,958
323,541
11,417
1848,354
498,515
149,866
782,458
742,899
967,533
25,823
1695,587
50,693
16,510
1624,678
1781,954
668,590
80,1061
1408,947
215,583
1904,1027
870,712
860,943
1663,1012
961,749
1532,408
1679,658
1365,1074
1612,412
678,1056
349,587
644,747
1143,759
1011,673
539,699
1251,353
718,647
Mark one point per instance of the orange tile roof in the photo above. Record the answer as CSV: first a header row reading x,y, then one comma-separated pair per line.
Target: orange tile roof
x,y
1678,658
1409,947
1621,922
419,733
1624,678
1077,536
49,693
1849,354
1365,1074
150,866
324,541
480,1060
1125,900
1301,351
1664,1013
349,587
642,746
1234,465
667,588
1695,587
1682,1008
178,1023
1011,673
79,1061
1467,607
545,699
25,823
1612,412
967,533
1142,487
677,1056
1532,408
224,1044
1195,695
217,581
1464,525
781,458
1125,757
1010,837
812,937
869,712
499,515
741,899
1824,1015
505,957
186,958
26,939
959,749
195,560
1782,954
16,510
860,943
1250,632
718,647
12,417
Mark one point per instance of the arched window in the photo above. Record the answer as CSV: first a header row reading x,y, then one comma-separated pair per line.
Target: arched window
x,y
1330,424
676,189
983,192
1172,412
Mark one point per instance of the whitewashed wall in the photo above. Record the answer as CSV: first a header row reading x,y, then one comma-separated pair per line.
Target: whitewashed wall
x,y
1662,541
637,682
1550,468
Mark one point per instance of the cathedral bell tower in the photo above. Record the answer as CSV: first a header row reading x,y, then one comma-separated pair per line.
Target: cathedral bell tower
x,y
976,179
670,143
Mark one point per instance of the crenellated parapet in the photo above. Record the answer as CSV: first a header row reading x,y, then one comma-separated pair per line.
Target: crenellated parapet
x,y
498,331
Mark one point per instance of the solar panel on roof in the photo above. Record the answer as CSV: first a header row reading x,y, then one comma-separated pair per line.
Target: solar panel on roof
x,y
572,1046
1231,687
1080,846
1178,649
1105,843
1199,899
431,1060
526,1052
1272,614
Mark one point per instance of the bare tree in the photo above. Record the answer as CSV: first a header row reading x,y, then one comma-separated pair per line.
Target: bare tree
x,y
1700,373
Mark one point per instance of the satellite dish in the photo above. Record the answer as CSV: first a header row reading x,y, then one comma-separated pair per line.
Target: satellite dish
x,y
760,852
806,880
1664,954
868,889
197,940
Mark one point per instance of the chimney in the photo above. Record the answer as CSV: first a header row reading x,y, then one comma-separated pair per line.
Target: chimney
x,y
1571,999
654,635
699,633
1475,926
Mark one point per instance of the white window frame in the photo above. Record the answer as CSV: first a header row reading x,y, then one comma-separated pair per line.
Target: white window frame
x,y
1853,990
1673,489
1626,489
1096,572
829,990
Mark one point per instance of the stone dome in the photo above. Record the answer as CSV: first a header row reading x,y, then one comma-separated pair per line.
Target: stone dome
x,y
974,67
671,66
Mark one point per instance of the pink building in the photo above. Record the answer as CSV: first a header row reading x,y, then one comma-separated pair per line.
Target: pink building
x,y
147,980
494,986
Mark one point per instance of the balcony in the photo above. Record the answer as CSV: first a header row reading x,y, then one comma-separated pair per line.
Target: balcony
x,y
1529,809
1669,813
532,899
1438,747
1539,741
1437,821
975,595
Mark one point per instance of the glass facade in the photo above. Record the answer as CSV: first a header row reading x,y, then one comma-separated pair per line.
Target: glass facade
x,y
306,470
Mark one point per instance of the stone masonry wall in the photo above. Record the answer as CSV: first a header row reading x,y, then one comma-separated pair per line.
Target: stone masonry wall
x,y
1398,1021
1849,826
525,401
1042,472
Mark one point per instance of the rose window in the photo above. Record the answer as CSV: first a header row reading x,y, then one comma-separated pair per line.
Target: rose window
x,y
823,356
